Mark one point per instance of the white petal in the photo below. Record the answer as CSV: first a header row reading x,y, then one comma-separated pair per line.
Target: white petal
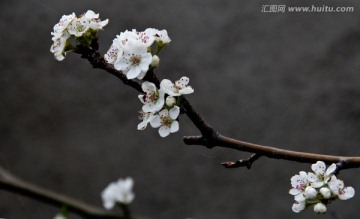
x,y
294,191
121,64
347,193
299,206
186,90
331,169
164,131
164,113
174,127
155,122
317,184
300,197
148,87
319,167
312,177
141,75
174,112
133,72
142,125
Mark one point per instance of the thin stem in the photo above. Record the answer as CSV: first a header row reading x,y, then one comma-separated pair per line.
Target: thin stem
x,y
11,183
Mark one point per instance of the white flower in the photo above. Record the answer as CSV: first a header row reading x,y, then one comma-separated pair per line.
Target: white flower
x,y
320,208
166,120
58,46
338,188
63,23
161,36
310,192
299,184
298,207
179,88
153,100
135,60
322,175
325,192
145,117
79,26
170,101
95,22
118,192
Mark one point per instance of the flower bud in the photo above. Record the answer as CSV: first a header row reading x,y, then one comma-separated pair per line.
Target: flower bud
x,y
155,61
170,101
310,192
320,208
325,192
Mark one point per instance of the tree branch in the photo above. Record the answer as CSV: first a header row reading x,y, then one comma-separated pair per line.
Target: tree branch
x,y
211,138
12,183
242,163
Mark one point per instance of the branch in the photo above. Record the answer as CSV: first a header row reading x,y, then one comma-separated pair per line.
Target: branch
x,y
241,163
12,183
210,137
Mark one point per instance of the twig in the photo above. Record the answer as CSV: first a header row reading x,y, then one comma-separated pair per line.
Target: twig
x,y
11,183
242,163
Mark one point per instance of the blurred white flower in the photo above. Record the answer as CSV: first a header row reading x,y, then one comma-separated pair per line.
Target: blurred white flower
x,y
118,192
60,216
58,47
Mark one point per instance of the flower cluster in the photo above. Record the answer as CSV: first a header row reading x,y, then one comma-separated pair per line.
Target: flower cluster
x,y
118,192
132,52
160,107
84,28
318,188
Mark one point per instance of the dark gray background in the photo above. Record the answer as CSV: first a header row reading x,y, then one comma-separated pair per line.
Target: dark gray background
x,y
287,80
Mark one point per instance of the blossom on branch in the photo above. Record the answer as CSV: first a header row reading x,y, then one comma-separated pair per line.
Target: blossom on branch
x,y
153,100
179,88
318,188
131,51
83,28
118,192
166,120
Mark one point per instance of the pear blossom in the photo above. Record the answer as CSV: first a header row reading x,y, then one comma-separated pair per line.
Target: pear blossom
x,y
161,36
179,88
58,47
63,23
318,188
118,192
320,208
145,117
322,175
166,120
114,52
338,188
79,26
299,184
153,100
135,60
